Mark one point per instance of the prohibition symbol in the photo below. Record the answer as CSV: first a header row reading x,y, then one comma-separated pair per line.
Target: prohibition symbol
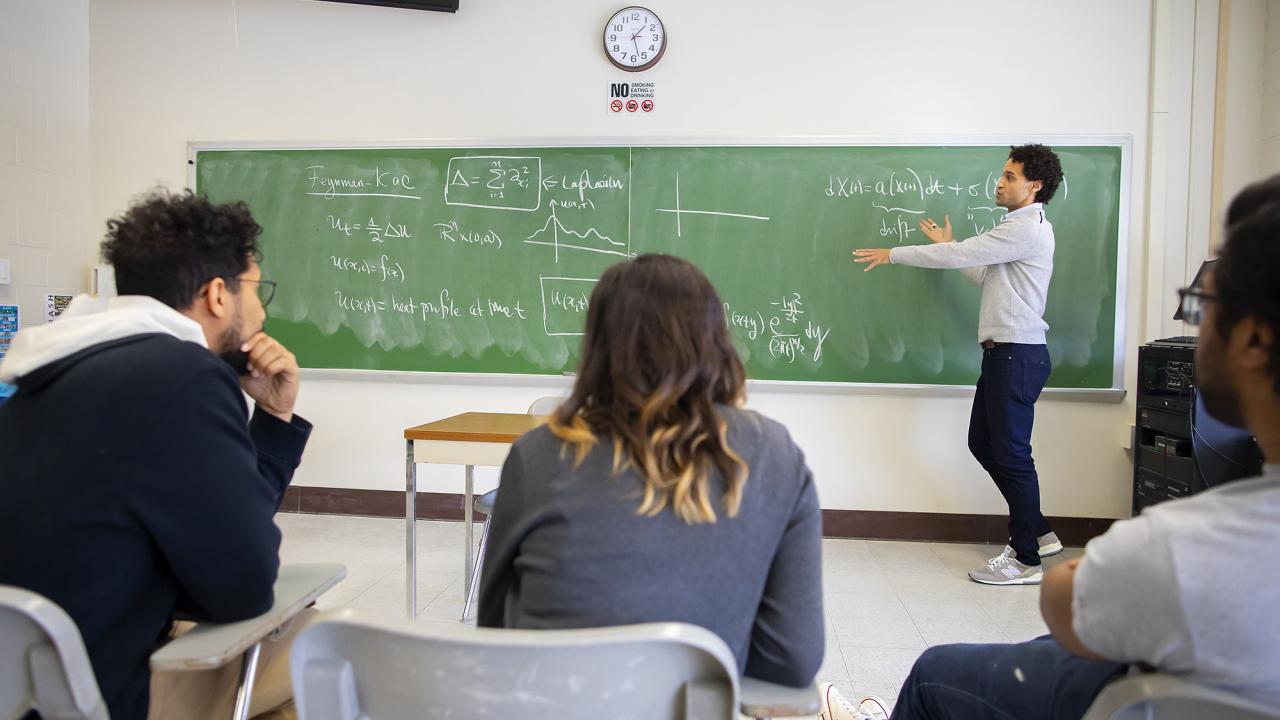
x,y
647,106
632,105
616,106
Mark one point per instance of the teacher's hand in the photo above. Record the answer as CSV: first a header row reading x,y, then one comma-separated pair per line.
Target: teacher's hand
x,y
874,257
936,233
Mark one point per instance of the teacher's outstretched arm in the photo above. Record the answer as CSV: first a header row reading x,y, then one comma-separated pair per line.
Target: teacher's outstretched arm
x,y
880,256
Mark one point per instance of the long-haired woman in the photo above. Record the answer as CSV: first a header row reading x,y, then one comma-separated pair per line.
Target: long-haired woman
x,y
651,495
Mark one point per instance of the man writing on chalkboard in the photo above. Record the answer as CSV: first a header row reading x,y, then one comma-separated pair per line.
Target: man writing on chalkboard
x,y
135,484
1012,263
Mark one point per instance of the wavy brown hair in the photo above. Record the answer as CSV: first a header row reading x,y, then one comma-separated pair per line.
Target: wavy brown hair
x,y
656,360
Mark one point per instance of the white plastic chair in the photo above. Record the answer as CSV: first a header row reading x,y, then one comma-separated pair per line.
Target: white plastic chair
x,y
484,505
1160,696
349,666
43,662
546,405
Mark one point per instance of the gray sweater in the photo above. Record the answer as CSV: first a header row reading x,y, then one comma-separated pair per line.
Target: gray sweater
x,y
566,549
1013,263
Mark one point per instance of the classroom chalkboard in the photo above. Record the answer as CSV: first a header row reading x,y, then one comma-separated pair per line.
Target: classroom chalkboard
x,y
469,259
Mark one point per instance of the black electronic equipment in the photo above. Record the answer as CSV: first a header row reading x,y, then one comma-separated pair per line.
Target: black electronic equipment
x,y
1179,448
436,5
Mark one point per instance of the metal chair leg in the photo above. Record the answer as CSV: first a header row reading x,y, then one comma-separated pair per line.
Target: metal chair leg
x,y
472,587
248,673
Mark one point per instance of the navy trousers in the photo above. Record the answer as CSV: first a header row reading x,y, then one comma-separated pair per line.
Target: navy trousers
x,y
1036,680
1000,436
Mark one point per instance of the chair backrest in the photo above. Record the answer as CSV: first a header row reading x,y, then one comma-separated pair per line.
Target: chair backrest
x,y
546,405
347,666
1159,696
43,663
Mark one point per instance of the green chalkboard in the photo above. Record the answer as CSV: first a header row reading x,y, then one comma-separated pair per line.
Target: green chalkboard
x,y
482,259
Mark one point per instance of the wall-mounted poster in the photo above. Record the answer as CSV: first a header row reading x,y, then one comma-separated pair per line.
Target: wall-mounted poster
x,y
8,328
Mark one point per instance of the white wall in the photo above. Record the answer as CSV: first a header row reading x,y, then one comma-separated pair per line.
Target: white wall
x,y
1271,92
1238,129
166,73
44,150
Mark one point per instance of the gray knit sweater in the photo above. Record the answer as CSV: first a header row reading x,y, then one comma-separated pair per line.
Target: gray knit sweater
x,y
566,549
1012,262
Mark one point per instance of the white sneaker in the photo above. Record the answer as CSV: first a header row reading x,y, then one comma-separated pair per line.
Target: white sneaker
x,y
1005,570
874,707
1049,543
834,706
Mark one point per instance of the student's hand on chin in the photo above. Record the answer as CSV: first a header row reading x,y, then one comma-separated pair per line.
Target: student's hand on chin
x,y
272,381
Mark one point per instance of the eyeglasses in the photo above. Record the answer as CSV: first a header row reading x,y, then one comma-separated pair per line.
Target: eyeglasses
x,y
266,289
1191,302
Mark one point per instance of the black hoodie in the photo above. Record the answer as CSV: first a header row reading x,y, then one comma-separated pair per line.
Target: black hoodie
x,y
131,488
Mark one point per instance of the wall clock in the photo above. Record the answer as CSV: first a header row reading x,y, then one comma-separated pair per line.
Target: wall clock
x,y
634,39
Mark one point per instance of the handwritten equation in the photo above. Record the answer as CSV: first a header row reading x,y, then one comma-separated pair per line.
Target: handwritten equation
x,y
782,328
900,198
375,231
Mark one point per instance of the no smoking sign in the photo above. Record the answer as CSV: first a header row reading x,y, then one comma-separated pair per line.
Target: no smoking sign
x,y
632,97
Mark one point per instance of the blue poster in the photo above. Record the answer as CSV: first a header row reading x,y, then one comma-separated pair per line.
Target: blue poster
x,y
8,328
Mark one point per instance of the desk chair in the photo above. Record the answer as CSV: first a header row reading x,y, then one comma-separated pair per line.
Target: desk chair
x,y
43,663
347,665
1159,696
484,505
47,667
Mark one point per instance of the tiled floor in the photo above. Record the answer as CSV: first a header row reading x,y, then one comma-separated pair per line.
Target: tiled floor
x,y
885,601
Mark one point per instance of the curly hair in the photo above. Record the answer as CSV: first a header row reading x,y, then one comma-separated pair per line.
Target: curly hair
x,y
1247,274
656,360
1039,162
167,246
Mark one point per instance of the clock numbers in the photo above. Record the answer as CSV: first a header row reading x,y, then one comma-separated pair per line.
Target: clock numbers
x,y
634,39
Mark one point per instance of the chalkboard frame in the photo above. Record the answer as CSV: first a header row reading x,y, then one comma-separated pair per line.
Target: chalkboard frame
x,y
1114,394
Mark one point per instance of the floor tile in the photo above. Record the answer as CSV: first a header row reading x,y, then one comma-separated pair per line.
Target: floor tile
x,y
872,620
906,558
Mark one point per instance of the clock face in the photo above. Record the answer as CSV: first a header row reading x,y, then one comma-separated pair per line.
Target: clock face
x,y
634,39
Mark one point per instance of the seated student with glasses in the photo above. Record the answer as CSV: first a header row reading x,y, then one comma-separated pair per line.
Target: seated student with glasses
x,y
652,495
135,485
1191,586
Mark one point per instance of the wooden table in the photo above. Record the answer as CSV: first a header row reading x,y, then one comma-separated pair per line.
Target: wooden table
x,y
468,439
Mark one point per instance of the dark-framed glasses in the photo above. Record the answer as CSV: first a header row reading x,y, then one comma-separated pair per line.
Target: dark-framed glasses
x,y
1191,302
266,289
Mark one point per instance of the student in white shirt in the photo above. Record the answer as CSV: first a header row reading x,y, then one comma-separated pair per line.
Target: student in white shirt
x,y
1191,586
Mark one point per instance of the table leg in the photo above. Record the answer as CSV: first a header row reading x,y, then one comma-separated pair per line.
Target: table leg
x,y
411,545
247,675
468,502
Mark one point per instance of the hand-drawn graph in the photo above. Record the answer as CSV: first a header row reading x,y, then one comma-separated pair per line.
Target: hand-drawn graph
x,y
556,228
684,211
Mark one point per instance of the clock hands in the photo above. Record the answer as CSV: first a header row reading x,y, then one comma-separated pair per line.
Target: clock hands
x,y
621,24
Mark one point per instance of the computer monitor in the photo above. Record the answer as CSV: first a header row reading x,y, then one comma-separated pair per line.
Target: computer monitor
x,y
1195,282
